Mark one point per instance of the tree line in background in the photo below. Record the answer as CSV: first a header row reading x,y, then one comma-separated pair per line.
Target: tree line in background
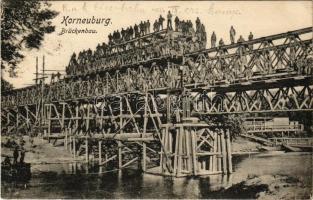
x,y
24,25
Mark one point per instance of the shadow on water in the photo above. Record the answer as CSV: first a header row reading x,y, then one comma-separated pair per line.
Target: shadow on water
x,y
77,180
17,174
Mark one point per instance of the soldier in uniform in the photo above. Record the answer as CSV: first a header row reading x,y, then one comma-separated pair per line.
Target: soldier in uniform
x,y
118,36
198,25
250,38
145,28
142,28
136,30
232,33
169,21
148,27
221,42
123,33
240,40
176,23
72,64
213,40
131,32
161,20
156,26
110,38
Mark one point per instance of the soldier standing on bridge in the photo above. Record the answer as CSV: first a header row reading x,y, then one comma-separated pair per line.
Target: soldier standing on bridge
x,y
110,38
176,23
221,42
148,27
240,40
161,20
213,40
232,34
131,32
145,28
136,30
156,26
198,25
169,21
250,38
123,34
142,28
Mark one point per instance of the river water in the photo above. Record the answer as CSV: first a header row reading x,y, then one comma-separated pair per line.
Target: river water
x,y
74,181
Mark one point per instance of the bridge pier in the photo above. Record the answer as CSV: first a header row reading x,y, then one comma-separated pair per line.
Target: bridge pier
x,y
194,150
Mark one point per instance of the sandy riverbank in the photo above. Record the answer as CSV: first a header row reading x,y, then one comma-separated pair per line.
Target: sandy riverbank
x,y
39,152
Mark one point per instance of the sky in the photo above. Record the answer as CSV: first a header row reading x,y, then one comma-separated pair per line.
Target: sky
x,y
262,18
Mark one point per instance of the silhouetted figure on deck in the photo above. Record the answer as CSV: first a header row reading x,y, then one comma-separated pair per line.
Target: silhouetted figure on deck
x,y
169,21
176,23
221,42
213,40
136,30
161,20
123,33
198,25
250,37
232,33
156,26
131,32
148,27
142,28
240,40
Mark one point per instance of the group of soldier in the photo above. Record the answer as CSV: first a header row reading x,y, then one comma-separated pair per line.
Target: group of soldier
x,y
232,34
107,54
136,31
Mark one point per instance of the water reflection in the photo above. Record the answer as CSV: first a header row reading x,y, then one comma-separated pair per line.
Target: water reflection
x,y
78,180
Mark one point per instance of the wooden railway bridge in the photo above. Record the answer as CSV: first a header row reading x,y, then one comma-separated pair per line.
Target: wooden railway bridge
x,y
154,110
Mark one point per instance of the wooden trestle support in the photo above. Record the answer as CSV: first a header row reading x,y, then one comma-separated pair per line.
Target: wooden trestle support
x,y
121,130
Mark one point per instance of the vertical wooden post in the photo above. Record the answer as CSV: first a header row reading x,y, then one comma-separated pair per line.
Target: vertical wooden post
x,y
76,116
27,119
219,160
49,120
211,157
120,157
193,149
71,145
74,147
176,151
229,152
101,120
180,150
164,141
100,152
63,115
88,117
188,146
65,139
86,149
144,157
224,163
214,161
144,145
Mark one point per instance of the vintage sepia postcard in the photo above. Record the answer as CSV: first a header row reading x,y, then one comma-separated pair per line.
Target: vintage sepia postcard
x,y
156,99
